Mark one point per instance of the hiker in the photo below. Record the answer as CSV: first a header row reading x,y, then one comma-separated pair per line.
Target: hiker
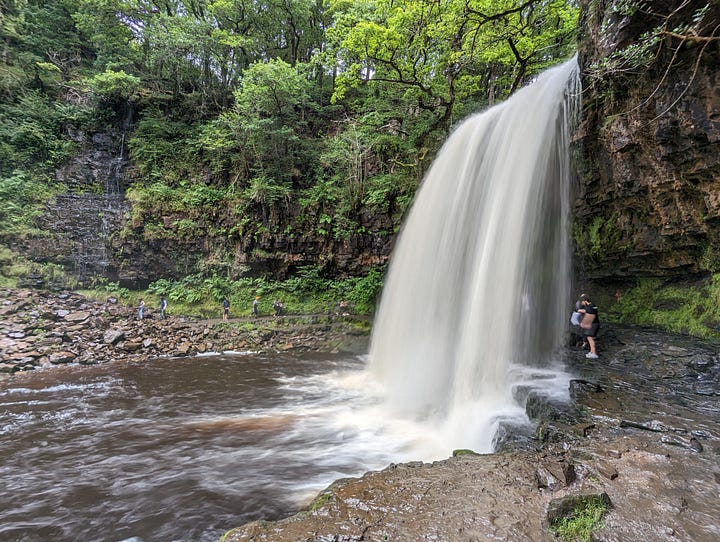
x,y
163,307
590,324
141,309
255,306
226,308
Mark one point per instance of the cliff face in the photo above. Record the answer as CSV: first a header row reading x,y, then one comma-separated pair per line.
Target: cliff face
x,y
82,224
648,149
92,232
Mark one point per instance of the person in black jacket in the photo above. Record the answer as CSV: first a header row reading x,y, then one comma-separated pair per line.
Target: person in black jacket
x,y
590,324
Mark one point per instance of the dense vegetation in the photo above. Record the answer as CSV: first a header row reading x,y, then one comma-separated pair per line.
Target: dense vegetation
x,y
247,118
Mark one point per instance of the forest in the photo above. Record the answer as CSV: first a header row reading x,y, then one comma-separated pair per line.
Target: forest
x,y
292,118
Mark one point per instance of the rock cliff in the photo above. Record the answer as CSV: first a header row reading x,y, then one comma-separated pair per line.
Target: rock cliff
x,y
648,148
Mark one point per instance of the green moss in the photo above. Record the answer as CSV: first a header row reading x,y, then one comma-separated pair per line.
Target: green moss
x,y
598,238
321,501
690,308
463,451
579,525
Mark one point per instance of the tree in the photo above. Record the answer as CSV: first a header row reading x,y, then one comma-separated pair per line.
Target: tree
x,y
438,52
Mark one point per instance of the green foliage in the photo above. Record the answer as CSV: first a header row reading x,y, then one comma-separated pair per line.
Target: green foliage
x,y
232,114
194,202
15,270
598,238
305,293
580,524
114,85
157,146
710,259
104,288
463,451
22,200
31,132
692,308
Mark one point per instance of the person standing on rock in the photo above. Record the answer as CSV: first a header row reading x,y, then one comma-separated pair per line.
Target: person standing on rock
x,y
590,324
226,308
141,309
163,307
255,306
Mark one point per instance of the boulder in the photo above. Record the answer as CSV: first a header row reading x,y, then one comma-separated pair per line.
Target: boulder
x,y
113,336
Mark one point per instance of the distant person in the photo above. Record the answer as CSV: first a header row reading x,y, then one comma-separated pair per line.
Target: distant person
x,y
226,308
141,309
255,306
590,324
278,307
163,307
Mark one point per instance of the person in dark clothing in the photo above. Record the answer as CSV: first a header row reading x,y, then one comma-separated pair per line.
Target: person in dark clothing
x,y
590,324
226,308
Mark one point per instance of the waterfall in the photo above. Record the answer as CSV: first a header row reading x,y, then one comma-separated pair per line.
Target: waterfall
x,y
479,280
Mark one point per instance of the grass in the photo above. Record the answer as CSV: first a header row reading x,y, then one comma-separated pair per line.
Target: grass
x,y
579,525
691,308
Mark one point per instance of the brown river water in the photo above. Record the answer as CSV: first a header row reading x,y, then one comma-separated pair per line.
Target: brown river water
x,y
184,449
174,449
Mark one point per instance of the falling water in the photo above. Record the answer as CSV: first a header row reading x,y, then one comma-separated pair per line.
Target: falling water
x,y
478,284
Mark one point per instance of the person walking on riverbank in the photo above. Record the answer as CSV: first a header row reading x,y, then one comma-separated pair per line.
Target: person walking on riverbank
x,y
163,307
255,306
590,324
141,309
226,308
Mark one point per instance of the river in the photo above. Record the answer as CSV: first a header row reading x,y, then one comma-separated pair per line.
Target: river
x,y
174,449
184,449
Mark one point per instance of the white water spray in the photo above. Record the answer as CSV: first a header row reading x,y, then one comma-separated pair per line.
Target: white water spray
x,y
478,283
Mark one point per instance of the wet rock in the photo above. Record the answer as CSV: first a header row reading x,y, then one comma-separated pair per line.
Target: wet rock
x,y
654,426
583,429
674,440
131,346
79,316
580,388
555,474
606,469
540,407
57,358
113,336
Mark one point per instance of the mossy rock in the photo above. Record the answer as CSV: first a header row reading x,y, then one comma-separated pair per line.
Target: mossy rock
x,y
463,451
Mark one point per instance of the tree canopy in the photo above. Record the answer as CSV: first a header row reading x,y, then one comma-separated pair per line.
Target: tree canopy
x,y
327,106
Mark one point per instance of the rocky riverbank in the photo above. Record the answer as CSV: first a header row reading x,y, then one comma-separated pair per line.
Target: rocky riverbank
x,y
642,434
642,431
41,329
